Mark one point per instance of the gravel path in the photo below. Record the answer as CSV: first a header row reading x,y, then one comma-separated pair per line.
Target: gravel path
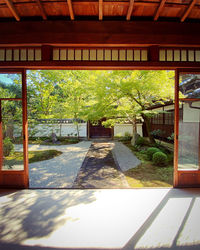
x,y
99,169
59,172
83,165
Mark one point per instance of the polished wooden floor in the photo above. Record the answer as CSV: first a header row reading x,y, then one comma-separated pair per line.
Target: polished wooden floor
x,y
100,219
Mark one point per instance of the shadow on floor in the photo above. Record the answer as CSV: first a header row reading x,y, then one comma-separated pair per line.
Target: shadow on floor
x,y
159,219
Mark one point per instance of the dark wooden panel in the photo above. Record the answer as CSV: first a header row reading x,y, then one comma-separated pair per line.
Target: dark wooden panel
x,y
188,179
12,180
99,130
107,33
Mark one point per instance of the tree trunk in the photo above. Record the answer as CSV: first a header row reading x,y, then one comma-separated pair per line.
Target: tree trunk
x,y
77,129
148,127
133,140
60,129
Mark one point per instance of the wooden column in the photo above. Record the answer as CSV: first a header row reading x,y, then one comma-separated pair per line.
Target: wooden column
x,y
176,127
25,128
1,139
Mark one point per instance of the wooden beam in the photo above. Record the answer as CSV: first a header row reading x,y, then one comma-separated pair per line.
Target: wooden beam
x,y
100,9
71,12
13,9
42,10
130,10
102,34
159,9
187,12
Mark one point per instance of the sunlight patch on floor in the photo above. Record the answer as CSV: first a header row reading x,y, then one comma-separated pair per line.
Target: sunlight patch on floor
x,y
107,222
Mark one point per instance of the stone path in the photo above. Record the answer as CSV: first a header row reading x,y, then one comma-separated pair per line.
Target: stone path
x,y
83,165
99,169
125,157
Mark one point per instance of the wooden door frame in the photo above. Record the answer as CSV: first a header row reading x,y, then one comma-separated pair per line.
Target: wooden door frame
x,y
179,175
22,177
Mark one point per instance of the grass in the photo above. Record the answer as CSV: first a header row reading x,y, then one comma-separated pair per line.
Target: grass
x,y
34,156
147,174
47,141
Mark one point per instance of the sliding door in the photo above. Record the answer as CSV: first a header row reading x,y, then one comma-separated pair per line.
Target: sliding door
x,y
187,141
13,130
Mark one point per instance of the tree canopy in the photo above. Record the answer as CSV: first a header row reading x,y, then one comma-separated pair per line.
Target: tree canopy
x,y
118,95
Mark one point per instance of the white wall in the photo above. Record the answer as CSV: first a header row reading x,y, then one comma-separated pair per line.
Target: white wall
x,y
66,130
121,129
191,114
70,130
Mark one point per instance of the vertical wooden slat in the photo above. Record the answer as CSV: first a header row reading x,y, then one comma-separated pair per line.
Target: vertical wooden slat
x,y
130,10
71,12
1,139
176,127
12,9
25,128
100,9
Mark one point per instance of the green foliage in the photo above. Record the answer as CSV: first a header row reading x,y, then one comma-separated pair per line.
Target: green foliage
x,y
141,141
151,151
171,137
8,146
159,159
157,132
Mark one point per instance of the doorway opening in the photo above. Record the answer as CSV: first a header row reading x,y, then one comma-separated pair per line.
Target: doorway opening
x,y
64,110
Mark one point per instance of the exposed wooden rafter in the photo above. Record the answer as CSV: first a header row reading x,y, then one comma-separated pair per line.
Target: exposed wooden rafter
x,y
187,12
130,10
12,9
41,7
71,12
100,9
159,9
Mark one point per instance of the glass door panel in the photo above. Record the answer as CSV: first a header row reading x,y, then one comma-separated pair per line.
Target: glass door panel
x,y
10,85
12,130
189,122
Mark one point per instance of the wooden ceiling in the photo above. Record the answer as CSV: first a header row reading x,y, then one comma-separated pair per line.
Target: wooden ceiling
x,y
167,10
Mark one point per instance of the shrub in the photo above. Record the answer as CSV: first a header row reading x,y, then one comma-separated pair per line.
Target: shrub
x,y
151,151
159,159
8,146
127,136
171,138
157,133
141,141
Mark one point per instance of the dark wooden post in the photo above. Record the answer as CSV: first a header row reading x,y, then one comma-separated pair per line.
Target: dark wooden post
x,y
25,128
176,127
154,53
47,52
1,139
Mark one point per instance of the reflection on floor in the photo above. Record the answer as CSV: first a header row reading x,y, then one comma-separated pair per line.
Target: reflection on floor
x,y
100,219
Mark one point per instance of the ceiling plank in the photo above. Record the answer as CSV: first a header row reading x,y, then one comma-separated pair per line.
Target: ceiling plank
x,y
71,12
159,9
187,12
41,7
100,9
130,10
12,9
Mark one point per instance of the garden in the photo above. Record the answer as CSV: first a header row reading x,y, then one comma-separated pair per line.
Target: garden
x,y
156,168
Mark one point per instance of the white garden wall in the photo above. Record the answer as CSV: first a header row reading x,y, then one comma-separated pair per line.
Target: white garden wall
x,y
121,129
41,130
